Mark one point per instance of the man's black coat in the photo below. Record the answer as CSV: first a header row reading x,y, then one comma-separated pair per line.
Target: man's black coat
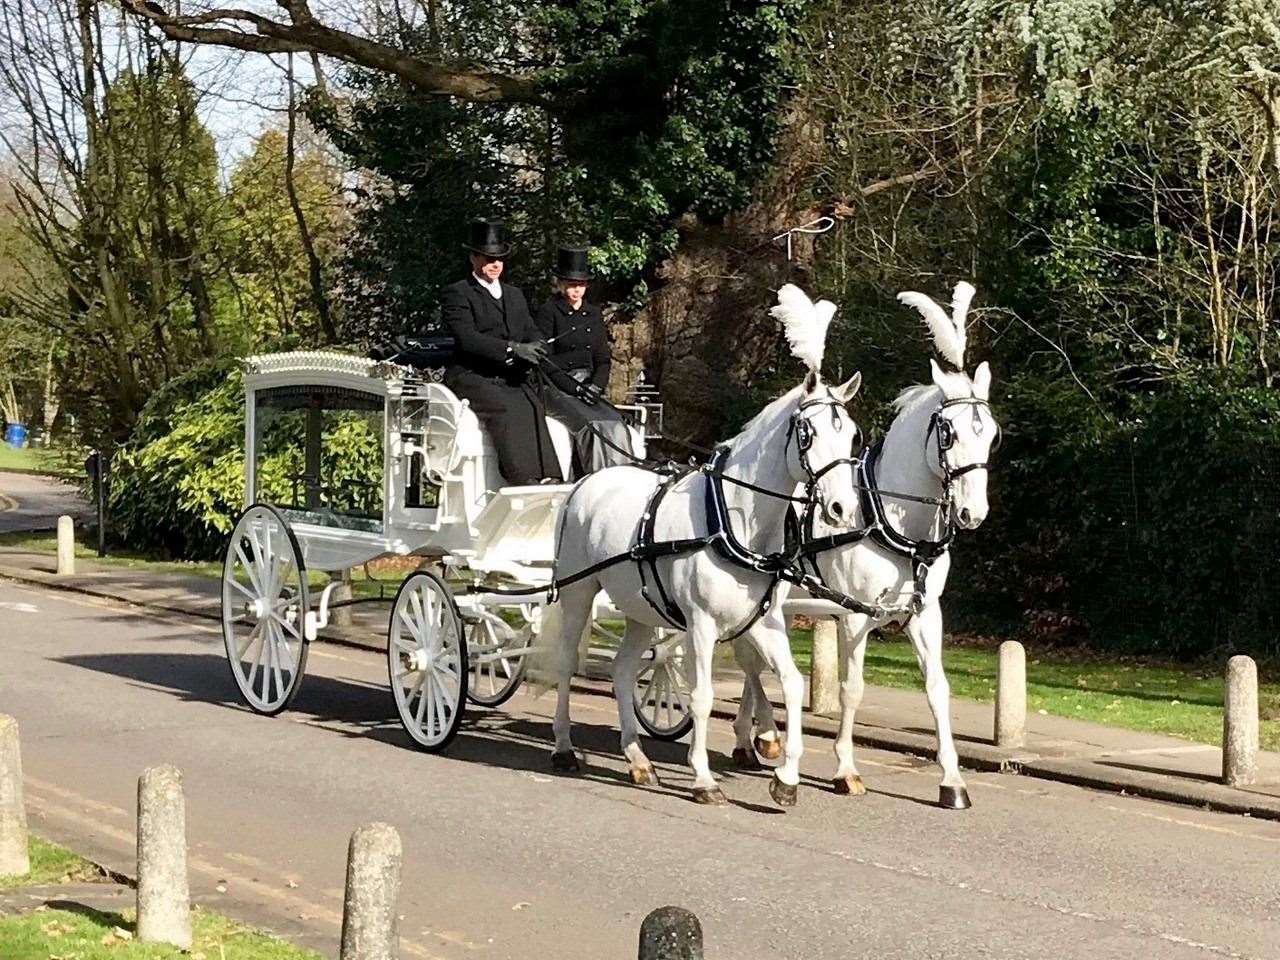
x,y
482,327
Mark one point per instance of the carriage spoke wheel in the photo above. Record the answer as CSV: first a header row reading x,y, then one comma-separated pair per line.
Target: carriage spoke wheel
x,y
496,651
264,609
427,661
664,689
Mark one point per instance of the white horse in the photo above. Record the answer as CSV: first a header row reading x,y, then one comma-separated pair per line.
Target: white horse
x,y
934,458
802,441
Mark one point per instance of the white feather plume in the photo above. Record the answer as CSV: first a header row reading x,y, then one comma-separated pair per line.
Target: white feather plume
x,y
961,297
805,324
948,336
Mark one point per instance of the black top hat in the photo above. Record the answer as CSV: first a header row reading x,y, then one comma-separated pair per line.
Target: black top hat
x,y
571,264
487,237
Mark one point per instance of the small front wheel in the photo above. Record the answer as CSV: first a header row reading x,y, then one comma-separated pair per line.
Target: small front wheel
x,y
664,689
427,661
497,650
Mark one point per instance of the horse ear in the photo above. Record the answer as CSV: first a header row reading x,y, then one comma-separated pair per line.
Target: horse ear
x,y
849,389
982,381
811,381
939,377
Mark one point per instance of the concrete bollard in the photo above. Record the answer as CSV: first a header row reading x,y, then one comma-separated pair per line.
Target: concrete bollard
x,y
824,668
66,546
670,933
1011,696
370,927
341,617
1240,723
164,898
14,859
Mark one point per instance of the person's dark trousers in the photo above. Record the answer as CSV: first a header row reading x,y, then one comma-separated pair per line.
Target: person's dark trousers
x,y
589,423
515,420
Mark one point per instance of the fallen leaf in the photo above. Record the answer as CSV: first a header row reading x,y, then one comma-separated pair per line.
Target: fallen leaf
x,y
221,888
122,933
292,884
521,905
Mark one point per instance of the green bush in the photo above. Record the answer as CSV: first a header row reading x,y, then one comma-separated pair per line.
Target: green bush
x,y
178,484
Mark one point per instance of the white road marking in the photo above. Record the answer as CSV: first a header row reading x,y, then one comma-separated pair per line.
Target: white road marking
x,y
18,607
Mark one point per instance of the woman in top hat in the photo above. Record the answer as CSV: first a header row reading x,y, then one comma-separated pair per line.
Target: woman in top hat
x,y
579,367
497,345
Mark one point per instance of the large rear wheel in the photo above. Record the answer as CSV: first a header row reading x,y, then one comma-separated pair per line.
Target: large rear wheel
x,y
264,609
427,661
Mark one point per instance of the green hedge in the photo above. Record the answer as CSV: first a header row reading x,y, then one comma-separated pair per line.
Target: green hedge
x,y
178,484
1155,532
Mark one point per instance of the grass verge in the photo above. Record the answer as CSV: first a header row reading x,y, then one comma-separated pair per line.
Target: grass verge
x,y
87,934
1174,699
56,462
384,581
51,863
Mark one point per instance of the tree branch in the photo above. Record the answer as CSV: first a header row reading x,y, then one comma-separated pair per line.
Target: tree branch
x,y
246,30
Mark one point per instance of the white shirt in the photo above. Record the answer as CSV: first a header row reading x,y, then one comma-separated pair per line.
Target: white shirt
x,y
494,287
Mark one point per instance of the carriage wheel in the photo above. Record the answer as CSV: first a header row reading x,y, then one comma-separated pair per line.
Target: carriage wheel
x,y
497,652
663,689
264,609
427,660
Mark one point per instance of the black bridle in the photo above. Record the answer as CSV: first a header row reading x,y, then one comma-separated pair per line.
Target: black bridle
x,y
921,553
801,429
945,433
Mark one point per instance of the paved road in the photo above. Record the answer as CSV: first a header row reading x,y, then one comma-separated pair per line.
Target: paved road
x,y
32,502
504,861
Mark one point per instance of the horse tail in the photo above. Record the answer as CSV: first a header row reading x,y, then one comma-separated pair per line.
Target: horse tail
x,y
552,653
542,664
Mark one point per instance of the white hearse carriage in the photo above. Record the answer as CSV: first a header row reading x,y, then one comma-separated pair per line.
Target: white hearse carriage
x,y
349,459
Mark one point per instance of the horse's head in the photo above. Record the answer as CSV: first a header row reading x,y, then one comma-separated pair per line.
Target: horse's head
x,y
960,439
822,438
962,433
822,442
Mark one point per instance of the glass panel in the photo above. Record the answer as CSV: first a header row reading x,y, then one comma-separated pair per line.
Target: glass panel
x,y
319,455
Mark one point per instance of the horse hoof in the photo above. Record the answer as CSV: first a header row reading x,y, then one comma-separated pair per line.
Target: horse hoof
x,y
644,776
850,786
784,794
769,749
566,762
712,797
953,798
744,758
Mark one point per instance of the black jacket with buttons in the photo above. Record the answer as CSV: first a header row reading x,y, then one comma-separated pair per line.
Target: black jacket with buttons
x,y
582,342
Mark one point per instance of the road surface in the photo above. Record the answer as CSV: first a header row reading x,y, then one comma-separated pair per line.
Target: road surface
x,y
503,860
32,502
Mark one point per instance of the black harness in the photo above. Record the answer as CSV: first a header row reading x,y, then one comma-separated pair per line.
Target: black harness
x,y
922,553
796,562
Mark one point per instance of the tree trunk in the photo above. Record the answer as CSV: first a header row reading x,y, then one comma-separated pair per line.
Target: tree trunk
x,y
706,334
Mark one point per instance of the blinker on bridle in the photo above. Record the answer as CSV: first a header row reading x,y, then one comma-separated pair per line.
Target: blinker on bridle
x,y
944,432
802,429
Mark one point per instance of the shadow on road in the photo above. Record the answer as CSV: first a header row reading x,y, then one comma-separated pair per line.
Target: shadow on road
x,y
352,708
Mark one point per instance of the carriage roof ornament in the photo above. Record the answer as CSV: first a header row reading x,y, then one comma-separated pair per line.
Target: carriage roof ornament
x,y
813,227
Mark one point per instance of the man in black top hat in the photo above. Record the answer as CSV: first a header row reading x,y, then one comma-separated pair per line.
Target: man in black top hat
x,y
497,345
579,366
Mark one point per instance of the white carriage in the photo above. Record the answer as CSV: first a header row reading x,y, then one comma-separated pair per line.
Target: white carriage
x,y
317,427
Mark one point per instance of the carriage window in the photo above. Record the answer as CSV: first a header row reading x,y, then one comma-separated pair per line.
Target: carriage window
x,y
318,454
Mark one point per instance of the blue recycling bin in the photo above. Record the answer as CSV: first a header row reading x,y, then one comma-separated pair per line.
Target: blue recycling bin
x,y
16,435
